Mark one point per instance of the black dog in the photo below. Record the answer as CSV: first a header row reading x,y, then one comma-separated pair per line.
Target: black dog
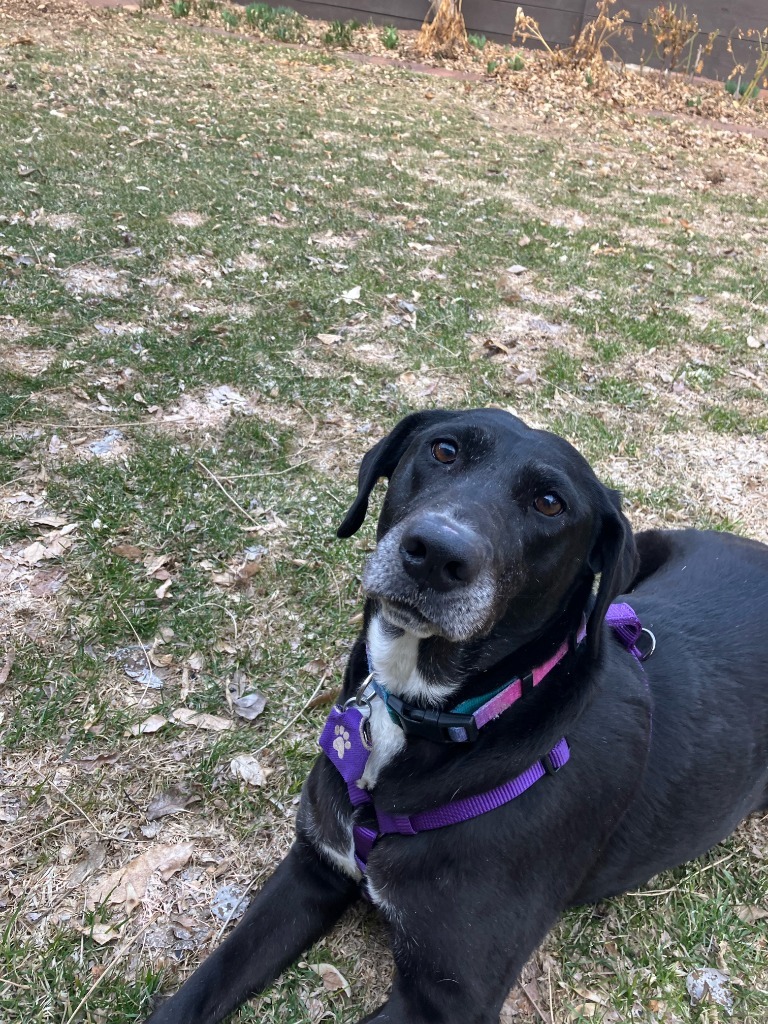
x,y
490,542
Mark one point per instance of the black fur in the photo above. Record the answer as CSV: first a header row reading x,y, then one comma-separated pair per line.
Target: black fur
x,y
664,762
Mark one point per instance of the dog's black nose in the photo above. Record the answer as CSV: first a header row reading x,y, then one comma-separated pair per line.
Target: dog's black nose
x,y
441,553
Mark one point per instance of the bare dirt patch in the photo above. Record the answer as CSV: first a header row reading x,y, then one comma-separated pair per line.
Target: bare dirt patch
x,y
62,221
197,266
29,362
336,242
727,476
188,219
13,329
32,571
97,281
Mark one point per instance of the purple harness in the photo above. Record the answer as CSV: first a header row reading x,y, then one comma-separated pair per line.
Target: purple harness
x,y
346,741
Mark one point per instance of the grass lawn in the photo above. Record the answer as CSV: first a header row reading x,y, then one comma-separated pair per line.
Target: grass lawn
x,y
225,270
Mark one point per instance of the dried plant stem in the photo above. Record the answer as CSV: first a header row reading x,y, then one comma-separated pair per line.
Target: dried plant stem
x,y
119,954
444,30
226,493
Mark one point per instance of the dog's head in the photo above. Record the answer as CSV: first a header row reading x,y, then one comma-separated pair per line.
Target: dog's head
x,y
487,521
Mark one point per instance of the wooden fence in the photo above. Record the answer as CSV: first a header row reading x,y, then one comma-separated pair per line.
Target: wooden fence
x,y
560,20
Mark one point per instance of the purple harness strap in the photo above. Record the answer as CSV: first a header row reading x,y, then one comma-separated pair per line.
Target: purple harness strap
x,y
346,741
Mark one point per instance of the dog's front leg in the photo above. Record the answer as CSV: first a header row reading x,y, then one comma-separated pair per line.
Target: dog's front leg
x,y
300,903
459,939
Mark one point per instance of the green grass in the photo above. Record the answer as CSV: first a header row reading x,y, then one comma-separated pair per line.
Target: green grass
x,y
308,180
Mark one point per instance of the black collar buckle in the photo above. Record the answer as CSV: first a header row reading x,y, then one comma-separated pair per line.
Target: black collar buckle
x,y
438,726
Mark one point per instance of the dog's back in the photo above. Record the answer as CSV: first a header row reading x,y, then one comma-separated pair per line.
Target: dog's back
x,y
704,596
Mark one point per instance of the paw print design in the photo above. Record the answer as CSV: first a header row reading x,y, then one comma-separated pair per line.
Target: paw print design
x,y
341,743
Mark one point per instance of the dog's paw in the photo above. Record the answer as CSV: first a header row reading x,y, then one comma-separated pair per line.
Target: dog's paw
x,y
341,743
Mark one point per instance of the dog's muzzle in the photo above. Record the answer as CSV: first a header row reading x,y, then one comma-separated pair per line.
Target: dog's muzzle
x,y
433,575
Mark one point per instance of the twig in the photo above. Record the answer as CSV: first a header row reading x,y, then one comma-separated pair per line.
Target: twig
x,y
38,835
226,493
80,811
296,717
542,1013
6,427
110,966
276,472
676,888
139,642
18,408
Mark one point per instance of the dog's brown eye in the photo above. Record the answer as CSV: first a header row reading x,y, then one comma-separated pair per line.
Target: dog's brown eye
x,y
548,504
445,451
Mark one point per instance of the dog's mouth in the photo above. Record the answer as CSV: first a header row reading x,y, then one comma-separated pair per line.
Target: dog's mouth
x,y
405,616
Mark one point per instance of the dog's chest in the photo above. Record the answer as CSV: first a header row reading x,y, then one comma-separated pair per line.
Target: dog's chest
x,y
394,660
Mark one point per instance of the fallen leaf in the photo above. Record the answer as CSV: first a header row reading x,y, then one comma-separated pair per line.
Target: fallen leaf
x,y
526,377
128,884
90,764
705,984
494,347
201,720
249,706
162,590
229,903
247,768
100,933
516,269
53,545
129,551
750,914
352,295
8,661
172,801
152,724
154,562
333,979
329,339
97,854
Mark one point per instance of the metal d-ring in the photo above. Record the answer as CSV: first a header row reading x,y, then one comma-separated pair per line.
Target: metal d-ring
x,y
359,700
646,654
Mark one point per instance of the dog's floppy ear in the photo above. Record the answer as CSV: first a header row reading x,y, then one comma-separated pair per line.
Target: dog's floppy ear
x,y
614,556
382,460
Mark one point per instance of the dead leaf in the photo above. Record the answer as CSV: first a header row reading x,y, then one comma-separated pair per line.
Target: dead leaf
x,y
152,724
247,768
329,339
90,764
172,801
353,295
162,590
750,914
100,933
95,857
128,884
526,377
494,347
129,551
201,720
333,979
8,661
249,706
705,984
53,545
154,562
